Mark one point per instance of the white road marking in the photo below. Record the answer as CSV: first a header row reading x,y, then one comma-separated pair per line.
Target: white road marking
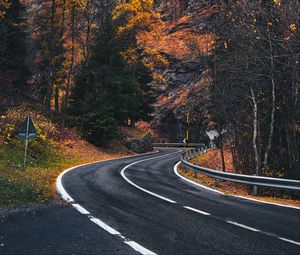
x,y
139,187
61,190
243,226
64,194
231,222
80,209
288,240
265,202
104,226
140,248
214,190
196,210
263,232
190,181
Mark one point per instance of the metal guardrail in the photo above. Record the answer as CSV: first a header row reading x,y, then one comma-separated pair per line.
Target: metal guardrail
x,y
252,180
178,144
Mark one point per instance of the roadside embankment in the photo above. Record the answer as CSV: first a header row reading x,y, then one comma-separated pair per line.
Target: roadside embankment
x,y
212,159
54,150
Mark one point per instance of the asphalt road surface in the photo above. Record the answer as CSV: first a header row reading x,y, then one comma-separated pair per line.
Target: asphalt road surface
x,y
148,204
139,206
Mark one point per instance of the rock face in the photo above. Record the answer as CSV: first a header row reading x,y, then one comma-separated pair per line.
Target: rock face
x,y
140,145
186,42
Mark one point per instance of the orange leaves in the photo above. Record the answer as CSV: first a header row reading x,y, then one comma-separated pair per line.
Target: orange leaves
x,y
4,6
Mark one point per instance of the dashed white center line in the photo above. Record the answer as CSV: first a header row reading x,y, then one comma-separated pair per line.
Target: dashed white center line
x,y
263,232
104,226
196,210
133,244
243,226
141,188
140,248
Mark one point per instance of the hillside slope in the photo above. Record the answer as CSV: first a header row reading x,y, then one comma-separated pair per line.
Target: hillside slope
x,y
54,150
186,42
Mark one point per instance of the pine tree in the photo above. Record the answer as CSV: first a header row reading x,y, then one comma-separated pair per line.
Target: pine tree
x,y
13,69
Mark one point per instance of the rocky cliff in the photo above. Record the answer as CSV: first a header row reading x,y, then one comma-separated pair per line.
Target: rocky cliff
x,y
184,38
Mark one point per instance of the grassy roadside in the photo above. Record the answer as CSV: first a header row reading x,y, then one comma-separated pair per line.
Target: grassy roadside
x,y
212,159
54,150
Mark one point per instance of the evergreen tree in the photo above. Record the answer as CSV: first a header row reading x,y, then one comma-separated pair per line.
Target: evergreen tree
x,y
13,69
106,93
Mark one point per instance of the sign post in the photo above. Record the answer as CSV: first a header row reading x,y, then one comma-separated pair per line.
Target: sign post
x,y
187,115
27,132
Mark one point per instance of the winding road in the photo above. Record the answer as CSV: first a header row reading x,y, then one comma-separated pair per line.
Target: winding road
x,y
144,205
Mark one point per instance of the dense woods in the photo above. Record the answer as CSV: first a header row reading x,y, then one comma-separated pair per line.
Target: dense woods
x,y
98,64
74,58
255,70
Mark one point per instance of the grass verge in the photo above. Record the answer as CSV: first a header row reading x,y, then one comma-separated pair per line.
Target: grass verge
x,y
54,150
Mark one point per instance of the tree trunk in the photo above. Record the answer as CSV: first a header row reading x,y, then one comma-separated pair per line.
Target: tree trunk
x,y
269,145
56,99
50,72
221,146
255,134
268,149
66,98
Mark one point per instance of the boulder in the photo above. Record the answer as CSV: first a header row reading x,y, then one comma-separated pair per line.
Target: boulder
x,y
141,144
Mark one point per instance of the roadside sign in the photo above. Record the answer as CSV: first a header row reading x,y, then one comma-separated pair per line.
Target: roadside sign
x,y
27,130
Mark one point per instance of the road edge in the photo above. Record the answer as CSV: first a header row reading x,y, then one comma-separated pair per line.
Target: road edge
x,y
60,190
222,193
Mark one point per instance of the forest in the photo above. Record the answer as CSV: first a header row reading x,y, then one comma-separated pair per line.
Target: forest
x,y
100,64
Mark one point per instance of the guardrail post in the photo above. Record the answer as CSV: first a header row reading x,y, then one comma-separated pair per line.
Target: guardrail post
x,y
194,174
254,189
217,184
183,168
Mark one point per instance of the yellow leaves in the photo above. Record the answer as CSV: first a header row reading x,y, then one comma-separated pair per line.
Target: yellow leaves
x,y
153,58
159,79
130,56
277,2
293,27
139,15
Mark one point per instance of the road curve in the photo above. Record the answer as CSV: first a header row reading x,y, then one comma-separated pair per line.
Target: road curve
x,y
155,211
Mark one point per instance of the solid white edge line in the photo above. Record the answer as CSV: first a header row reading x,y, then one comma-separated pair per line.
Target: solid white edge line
x,y
104,226
60,188
65,196
288,240
139,248
192,182
214,190
139,187
196,210
80,209
243,226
